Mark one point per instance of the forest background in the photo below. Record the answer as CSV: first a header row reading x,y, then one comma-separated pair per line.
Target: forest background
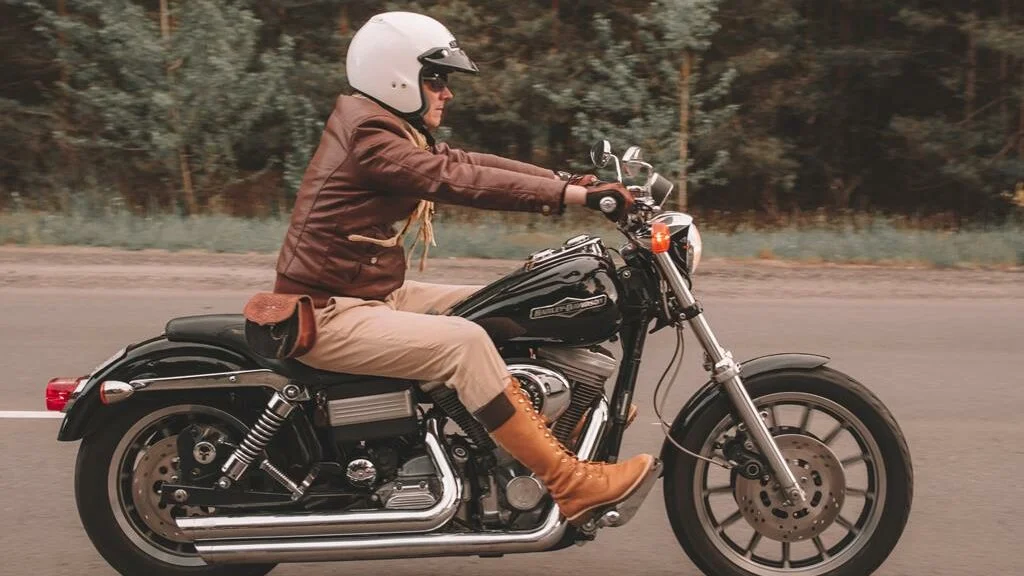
x,y
831,130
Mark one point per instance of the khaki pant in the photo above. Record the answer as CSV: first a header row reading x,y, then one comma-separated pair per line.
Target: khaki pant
x,y
406,336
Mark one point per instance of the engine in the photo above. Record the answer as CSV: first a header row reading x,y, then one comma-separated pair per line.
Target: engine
x,y
563,384
375,427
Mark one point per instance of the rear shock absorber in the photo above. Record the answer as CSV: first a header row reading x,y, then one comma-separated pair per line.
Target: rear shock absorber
x,y
259,436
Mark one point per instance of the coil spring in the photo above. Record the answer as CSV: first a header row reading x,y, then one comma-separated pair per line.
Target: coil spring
x,y
263,432
448,400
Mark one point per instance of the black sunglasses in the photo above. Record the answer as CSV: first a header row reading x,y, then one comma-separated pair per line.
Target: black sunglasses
x,y
436,81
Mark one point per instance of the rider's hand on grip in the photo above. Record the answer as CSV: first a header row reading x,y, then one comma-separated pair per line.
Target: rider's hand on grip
x,y
610,198
577,179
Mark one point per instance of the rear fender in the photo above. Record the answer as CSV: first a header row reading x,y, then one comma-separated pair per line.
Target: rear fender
x,y
154,358
711,391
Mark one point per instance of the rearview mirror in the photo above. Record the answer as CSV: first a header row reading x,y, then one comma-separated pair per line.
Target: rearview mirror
x,y
632,153
601,153
632,161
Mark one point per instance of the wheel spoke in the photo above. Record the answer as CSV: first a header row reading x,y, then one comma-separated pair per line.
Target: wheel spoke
x,y
730,520
854,459
821,547
847,524
785,554
806,419
754,541
827,440
724,489
775,416
860,492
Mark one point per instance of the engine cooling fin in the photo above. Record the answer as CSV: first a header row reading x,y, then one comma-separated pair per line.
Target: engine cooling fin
x,y
584,394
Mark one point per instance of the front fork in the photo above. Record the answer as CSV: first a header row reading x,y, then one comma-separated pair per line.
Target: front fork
x,y
726,373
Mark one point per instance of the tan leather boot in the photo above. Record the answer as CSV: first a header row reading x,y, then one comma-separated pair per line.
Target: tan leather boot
x,y
578,487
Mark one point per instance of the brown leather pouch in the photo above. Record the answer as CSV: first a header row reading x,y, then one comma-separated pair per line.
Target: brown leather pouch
x,y
280,326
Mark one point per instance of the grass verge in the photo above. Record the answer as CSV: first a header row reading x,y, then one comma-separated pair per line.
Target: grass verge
x,y
493,235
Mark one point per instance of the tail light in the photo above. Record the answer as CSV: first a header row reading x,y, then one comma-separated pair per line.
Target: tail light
x,y
58,392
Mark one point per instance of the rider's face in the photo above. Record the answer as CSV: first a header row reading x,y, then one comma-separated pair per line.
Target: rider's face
x,y
435,88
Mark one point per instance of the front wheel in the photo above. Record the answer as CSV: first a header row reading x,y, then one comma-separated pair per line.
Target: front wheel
x,y
118,476
845,449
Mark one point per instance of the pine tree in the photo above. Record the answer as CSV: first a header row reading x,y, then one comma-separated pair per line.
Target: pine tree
x,y
958,153
183,95
639,88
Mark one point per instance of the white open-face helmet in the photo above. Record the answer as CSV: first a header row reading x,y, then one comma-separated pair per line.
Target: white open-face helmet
x,y
389,53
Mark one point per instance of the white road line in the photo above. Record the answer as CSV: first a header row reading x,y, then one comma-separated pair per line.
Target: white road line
x,y
29,414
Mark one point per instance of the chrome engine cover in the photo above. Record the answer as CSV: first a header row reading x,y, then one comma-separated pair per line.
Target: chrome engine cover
x,y
415,488
588,365
372,408
524,493
549,391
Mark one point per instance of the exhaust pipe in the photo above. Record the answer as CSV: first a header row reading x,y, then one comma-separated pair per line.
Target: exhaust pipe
x,y
341,523
382,547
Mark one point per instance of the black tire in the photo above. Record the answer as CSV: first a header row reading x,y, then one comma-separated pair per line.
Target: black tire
x,y
96,456
681,473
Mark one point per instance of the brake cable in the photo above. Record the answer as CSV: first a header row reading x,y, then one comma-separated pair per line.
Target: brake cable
x,y
665,427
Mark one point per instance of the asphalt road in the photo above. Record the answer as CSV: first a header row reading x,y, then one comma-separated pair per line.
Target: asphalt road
x,y
948,367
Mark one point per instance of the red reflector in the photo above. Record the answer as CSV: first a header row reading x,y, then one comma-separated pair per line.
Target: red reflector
x,y
58,392
660,237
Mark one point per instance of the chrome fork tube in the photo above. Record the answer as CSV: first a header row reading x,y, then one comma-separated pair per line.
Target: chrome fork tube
x,y
727,373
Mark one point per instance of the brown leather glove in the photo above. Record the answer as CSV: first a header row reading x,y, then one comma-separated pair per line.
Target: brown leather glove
x,y
577,179
610,198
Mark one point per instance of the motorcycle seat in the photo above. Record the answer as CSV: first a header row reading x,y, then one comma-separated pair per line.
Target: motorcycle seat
x,y
228,331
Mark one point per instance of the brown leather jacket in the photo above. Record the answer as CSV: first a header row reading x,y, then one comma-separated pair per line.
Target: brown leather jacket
x,y
365,176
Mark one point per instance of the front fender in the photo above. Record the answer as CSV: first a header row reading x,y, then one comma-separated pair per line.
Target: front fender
x,y
710,392
156,357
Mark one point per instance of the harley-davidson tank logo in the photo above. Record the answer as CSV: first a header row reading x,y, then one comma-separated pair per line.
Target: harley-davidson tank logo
x,y
568,307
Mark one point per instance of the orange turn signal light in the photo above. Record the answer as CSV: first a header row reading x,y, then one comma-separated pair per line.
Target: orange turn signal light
x,y
660,238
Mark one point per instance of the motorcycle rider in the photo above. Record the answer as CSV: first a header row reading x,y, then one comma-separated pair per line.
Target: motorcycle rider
x,y
378,164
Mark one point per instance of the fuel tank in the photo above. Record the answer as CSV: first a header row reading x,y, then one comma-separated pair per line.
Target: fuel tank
x,y
566,296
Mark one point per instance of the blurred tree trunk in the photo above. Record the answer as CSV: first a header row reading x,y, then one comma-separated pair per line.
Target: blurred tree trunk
x,y
186,172
685,69
1004,74
972,77
554,25
64,109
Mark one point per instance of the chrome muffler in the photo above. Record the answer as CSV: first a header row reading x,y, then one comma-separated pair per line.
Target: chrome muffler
x,y
382,547
341,523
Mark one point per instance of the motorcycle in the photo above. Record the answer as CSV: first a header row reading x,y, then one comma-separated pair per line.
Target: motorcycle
x,y
199,457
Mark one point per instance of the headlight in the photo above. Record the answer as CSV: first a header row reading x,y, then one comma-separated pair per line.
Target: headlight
x,y
695,246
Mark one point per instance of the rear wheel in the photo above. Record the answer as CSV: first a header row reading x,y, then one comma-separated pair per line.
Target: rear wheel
x,y
118,476
842,445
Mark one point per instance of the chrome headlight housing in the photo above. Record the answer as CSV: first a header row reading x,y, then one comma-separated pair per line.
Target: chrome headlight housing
x,y
686,247
694,248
